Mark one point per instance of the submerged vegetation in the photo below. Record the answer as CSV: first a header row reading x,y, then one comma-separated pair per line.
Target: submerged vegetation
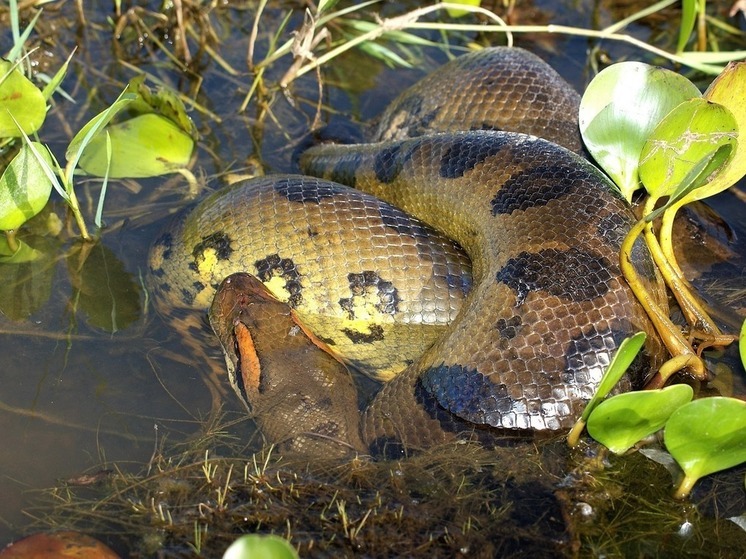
x,y
457,500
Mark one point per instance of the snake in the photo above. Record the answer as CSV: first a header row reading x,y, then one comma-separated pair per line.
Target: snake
x,y
466,257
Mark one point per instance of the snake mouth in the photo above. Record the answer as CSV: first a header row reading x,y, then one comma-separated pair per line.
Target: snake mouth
x,y
247,369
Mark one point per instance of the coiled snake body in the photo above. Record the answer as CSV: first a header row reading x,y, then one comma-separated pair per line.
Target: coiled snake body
x,y
526,346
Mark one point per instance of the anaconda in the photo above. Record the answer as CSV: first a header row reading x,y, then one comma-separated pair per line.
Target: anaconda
x,y
524,348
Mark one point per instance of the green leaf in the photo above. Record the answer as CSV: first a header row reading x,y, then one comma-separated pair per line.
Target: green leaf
x,y
621,421
19,99
94,126
619,110
688,17
24,187
621,361
692,132
145,146
56,80
742,344
706,436
164,102
729,90
254,546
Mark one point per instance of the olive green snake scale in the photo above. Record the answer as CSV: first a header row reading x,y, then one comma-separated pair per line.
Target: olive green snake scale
x,y
515,341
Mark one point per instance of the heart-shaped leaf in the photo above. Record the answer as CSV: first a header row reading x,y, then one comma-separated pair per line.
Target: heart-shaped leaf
x,y
620,108
692,132
623,420
19,99
706,436
145,146
24,187
742,344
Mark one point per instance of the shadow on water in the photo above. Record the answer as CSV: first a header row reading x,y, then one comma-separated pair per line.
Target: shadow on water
x,y
102,403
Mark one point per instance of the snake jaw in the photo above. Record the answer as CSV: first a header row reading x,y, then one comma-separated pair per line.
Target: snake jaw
x,y
248,365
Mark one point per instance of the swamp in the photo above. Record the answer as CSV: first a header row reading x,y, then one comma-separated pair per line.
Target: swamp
x,y
113,427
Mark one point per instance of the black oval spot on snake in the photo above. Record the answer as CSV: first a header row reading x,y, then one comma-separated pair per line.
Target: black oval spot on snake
x,y
468,393
388,163
536,186
467,152
573,274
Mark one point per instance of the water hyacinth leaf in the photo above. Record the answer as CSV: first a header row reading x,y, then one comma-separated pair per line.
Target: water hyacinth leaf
x,y
692,132
24,187
620,108
729,90
148,145
92,127
19,99
706,436
255,546
742,344
621,421
164,102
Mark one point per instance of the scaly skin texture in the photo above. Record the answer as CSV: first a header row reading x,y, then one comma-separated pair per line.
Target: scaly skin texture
x,y
541,225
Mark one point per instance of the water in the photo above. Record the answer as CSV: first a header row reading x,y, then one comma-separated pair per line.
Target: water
x,y
92,376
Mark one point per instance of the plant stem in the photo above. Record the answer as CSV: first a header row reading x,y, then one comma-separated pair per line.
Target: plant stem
x,y
670,334
75,207
10,236
685,487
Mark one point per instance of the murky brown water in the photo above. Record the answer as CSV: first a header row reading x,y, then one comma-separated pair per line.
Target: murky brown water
x,y
77,395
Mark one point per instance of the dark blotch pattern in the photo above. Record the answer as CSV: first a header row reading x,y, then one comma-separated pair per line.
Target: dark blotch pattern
x,y
302,190
467,152
374,334
389,163
536,186
187,297
428,403
362,284
468,393
274,266
571,274
219,242
166,241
